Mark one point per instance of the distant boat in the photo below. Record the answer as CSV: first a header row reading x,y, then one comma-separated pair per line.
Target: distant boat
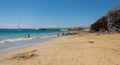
x,y
18,29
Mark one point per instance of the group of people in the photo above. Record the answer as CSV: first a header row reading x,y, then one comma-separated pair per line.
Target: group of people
x,y
61,34
67,33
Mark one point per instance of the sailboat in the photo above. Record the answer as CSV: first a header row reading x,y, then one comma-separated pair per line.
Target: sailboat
x,y
18,29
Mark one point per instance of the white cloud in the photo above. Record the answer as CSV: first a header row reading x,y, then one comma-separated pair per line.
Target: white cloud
x,y
14,25
51,26
44,26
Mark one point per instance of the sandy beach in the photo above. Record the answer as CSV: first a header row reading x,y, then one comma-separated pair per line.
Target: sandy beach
x,y
80,49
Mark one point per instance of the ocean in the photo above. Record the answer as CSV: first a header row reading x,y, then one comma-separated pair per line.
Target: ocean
x,y
12,39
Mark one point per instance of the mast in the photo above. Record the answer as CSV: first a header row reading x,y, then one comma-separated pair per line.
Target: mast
x,y
18,28
19,24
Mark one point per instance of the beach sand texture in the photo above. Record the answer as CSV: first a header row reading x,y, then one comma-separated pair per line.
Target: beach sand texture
x,y
81,49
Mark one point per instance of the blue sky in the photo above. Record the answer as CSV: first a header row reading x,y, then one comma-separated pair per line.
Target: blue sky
x,y
52,13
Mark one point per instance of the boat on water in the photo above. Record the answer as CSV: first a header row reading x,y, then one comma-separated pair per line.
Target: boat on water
x,y
19,30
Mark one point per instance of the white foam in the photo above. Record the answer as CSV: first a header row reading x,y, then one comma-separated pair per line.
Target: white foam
x,y
48,36
23,39
14,40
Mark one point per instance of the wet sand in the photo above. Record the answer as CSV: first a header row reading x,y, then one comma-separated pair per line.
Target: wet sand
x,y
12,46
81,49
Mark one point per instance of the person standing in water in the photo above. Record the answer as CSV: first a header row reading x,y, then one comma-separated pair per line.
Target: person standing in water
x,y
28,36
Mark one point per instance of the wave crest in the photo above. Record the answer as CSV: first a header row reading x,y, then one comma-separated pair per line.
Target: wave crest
x,y
24,39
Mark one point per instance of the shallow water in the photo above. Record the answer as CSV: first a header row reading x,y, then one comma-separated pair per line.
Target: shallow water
x,y
13,39
7,47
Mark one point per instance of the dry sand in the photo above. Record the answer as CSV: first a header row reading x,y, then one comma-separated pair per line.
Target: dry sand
x,y
81,49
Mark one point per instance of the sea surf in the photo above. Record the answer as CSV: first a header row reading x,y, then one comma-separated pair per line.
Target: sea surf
x,y
12,39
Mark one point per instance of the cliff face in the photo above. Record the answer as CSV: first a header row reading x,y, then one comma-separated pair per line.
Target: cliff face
x,y
109,22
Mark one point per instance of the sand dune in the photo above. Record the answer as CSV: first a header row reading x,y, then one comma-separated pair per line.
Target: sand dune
x,y
81,49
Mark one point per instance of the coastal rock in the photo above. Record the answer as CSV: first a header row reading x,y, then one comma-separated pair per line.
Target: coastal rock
x,y
110,22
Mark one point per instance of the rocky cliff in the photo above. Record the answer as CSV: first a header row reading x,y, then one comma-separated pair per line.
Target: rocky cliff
x,y
109,22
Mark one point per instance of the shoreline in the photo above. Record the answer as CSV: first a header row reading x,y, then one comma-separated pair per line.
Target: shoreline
x,y
80,49
21,45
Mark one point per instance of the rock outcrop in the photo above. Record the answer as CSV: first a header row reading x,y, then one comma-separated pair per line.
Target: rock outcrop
x,y
110,22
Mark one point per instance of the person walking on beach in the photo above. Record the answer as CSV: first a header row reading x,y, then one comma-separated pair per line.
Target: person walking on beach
x,y
63,34
58,34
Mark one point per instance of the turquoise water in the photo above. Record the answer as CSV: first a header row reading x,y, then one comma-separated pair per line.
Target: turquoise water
x,y
21,35
15,39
